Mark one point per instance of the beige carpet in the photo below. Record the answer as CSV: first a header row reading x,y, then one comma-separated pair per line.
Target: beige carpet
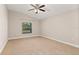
x,y
38,46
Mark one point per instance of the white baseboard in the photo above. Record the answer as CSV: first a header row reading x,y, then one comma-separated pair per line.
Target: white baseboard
x,y
77,46
74,45
18,37
3,46
15,38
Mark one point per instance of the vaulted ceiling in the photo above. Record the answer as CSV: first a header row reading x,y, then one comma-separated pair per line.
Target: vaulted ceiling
x,y
51,9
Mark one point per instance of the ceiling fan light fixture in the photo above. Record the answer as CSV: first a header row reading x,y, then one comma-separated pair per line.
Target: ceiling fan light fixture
x,y
36,11
37,8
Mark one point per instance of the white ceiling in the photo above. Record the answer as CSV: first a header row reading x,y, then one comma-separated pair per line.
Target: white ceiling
x,y
51,9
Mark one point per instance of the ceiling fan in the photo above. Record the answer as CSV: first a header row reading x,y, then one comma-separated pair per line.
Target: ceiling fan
x,y
37,8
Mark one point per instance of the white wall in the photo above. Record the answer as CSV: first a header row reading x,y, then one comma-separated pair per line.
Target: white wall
x,y
15,25
3,27
63,28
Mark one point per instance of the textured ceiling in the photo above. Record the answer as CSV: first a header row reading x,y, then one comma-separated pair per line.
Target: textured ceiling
x,y
51,9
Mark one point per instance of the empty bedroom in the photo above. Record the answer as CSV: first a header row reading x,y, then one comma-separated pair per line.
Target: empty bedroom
x,y
39,29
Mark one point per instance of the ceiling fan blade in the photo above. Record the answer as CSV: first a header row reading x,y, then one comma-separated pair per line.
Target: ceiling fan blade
x,y
33,5
42,10
37,5
42,6
30,9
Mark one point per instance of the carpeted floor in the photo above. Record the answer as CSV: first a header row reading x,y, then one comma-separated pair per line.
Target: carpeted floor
x,y
38,46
